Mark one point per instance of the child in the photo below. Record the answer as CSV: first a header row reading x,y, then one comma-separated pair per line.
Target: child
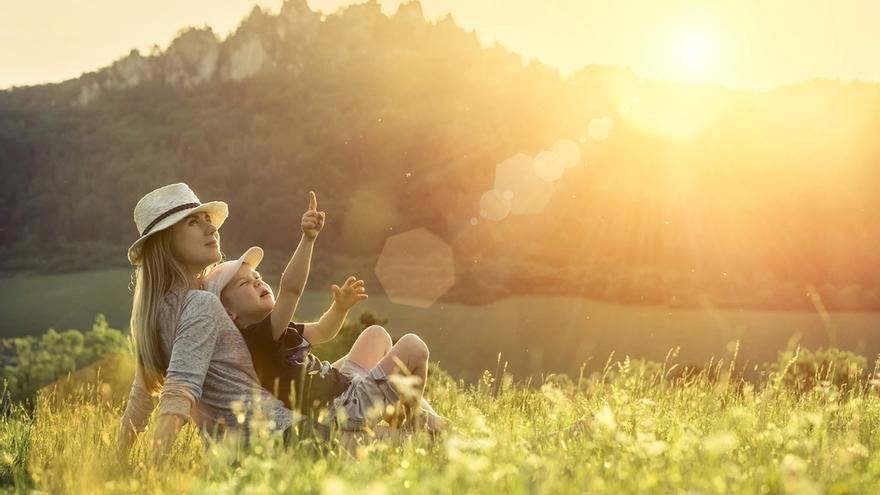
x,y
280,352
279,348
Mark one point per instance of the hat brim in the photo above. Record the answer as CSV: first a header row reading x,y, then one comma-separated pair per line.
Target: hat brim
x,y
220,275
218,210
253,256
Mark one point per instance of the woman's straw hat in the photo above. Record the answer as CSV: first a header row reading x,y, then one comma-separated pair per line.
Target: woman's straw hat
x,y
163,207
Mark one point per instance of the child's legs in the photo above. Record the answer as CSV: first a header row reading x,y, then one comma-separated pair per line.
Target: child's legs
x,y
412,353
373,348
369,348
427,407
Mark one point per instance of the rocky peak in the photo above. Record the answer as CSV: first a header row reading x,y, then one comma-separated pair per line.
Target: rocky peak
x,y
295,9
192,58
263,43
410,12
297,20
363,14
131,71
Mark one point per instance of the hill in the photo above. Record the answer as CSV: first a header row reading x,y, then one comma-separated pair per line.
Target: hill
x,y
682,194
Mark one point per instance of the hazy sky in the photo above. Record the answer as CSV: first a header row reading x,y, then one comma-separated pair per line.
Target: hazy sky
x,y
740,43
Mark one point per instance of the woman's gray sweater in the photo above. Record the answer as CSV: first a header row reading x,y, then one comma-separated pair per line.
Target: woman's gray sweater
x,y
210,367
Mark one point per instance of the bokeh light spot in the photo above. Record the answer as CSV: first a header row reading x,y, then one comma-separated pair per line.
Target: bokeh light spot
x,y
568,152
600,128
548,166
494,204
530,192
415,268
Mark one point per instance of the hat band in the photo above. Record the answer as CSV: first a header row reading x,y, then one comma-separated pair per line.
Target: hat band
x,y
167,214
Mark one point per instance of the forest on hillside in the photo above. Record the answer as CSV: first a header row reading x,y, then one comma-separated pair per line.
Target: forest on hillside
x,y
689,196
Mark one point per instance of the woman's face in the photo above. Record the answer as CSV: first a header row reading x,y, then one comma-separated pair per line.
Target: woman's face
x,y
195,241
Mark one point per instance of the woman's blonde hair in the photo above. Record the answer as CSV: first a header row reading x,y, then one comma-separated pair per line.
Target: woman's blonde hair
x,y
158,272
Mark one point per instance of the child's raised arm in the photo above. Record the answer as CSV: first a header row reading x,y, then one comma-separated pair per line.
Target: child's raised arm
x,y
331,321
293,280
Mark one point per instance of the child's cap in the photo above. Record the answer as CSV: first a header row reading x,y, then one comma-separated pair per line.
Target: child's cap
x,y
222,274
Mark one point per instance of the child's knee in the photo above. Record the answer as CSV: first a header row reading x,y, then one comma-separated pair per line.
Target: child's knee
x,y
378,334
415,346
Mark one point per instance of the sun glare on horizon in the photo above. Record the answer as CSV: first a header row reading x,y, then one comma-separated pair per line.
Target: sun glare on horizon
x,y
689,51
692,54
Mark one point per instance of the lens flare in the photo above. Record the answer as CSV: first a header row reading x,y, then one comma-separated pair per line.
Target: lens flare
x,y
530,193
568,151
599,129
415,268
548,166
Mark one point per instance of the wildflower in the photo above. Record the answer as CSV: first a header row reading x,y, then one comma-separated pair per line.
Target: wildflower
x,y
720,442
407,386
334,486
605,418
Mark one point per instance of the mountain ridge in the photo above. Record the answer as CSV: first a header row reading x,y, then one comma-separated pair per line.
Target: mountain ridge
x,y
401,124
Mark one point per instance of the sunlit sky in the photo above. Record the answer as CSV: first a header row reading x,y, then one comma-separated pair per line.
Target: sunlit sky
x,y
755,44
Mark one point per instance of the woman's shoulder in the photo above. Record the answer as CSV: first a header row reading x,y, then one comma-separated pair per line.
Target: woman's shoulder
x,y
194,301
199,300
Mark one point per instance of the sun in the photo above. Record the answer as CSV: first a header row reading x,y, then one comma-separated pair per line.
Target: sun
x,y
692,54
694,49
688,52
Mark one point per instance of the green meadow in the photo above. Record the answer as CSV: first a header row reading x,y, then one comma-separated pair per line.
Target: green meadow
x,y
534,334
546,395
631,428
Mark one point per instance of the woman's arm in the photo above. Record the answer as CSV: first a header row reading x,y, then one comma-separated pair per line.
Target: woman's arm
x,y
191,352
137,411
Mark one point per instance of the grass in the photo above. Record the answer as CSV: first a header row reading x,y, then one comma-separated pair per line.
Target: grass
x,y
643,433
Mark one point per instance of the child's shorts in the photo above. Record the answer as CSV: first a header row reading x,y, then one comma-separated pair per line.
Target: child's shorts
x,y
366,398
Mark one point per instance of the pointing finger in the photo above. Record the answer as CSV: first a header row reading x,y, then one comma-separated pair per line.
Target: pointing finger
x,y
313,201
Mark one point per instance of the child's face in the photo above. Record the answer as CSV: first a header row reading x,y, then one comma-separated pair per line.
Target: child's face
x,y
246,295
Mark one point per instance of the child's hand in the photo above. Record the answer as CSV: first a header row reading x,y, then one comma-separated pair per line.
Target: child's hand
x,y
350,293
312,220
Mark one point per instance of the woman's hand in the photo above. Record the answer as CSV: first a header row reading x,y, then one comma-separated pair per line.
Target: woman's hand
x,y
350,293
167,428
312,220
124,440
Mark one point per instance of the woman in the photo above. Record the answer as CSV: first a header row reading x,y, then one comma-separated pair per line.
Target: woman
x,y
188,352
